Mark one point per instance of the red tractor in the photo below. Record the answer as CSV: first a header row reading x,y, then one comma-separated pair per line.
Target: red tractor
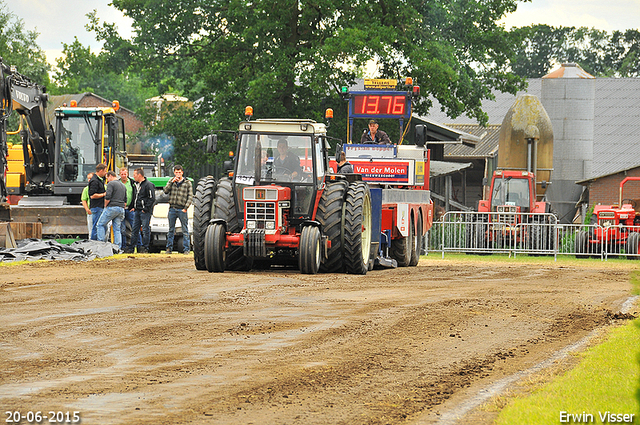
x,y
282,205
511,204
618,227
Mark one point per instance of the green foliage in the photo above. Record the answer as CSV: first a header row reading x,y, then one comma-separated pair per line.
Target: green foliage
x,y
18,47
588,217
80,70
600,53
289,58
174,131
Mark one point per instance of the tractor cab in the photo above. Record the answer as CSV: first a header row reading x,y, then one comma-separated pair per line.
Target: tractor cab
x,y
511,194
283,161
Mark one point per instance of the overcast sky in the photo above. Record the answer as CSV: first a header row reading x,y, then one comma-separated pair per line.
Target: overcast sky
x,y
58,21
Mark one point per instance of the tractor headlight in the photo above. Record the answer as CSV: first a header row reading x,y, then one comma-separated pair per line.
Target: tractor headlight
x,y
270,225
251,224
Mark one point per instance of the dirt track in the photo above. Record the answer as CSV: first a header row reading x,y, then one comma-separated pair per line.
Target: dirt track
x,y
149,339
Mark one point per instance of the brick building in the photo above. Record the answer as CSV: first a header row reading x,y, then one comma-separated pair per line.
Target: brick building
x,y
604,190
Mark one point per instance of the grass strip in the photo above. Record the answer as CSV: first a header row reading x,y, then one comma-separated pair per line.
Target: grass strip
x,y
606,381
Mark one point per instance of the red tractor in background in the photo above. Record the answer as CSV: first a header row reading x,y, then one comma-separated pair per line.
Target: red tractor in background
x,y
618,228
516,211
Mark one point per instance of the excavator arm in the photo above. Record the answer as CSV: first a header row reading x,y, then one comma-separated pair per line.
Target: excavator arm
x,y
28,99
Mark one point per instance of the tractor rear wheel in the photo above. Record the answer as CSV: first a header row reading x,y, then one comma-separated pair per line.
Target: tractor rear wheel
x,y
417,240
536,238
225,209
633,240
357,228
329,215
309,254
202,203
214,242
581,244
470,234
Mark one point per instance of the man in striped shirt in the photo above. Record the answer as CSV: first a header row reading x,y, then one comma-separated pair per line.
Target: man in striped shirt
x,y
180,197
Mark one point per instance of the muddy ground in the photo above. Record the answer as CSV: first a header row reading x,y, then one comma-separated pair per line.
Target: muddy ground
x,y
148,339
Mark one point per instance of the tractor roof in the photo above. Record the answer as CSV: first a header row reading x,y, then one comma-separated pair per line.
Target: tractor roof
x,y
281,125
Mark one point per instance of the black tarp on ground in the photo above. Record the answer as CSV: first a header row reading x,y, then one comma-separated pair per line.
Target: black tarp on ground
x,y
49,249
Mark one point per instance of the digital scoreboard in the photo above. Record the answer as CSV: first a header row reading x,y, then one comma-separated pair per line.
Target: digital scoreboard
x,y
380,104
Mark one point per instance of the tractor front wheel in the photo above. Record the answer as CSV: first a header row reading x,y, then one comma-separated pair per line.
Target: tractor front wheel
x,y
214,248
633,240
582,244
309,253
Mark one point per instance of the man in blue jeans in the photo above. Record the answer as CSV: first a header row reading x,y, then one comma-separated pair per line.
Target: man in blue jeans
x,y
97,192
128,183
180,197
114,203
144,197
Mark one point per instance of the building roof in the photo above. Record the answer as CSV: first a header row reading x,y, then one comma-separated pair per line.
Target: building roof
x,y
616,126
441,168
593,179
441,132
487,147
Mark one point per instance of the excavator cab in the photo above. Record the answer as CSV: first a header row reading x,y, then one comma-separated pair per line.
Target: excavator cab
x,y
86,137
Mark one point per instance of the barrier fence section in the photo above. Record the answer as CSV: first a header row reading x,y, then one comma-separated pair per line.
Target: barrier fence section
x,y
533,234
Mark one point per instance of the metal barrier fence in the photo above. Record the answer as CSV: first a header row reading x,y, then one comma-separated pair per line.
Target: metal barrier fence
x,y
533,234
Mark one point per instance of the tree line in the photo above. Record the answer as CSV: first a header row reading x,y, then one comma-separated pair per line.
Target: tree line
x,y
289,58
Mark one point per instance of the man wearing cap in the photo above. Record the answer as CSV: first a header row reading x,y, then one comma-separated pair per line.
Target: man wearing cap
x,y
287,161
373,135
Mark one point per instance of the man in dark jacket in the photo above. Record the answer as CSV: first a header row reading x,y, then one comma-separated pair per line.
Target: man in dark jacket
x,y
344,166
97,192
144,197
373,135
114,203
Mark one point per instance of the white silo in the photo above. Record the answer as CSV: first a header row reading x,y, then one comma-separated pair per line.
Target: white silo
x,y
568,95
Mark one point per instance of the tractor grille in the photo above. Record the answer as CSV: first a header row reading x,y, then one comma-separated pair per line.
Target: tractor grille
x,y
506,218
261,211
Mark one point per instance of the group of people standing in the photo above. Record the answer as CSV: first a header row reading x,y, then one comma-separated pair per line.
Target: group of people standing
x,y
109,199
